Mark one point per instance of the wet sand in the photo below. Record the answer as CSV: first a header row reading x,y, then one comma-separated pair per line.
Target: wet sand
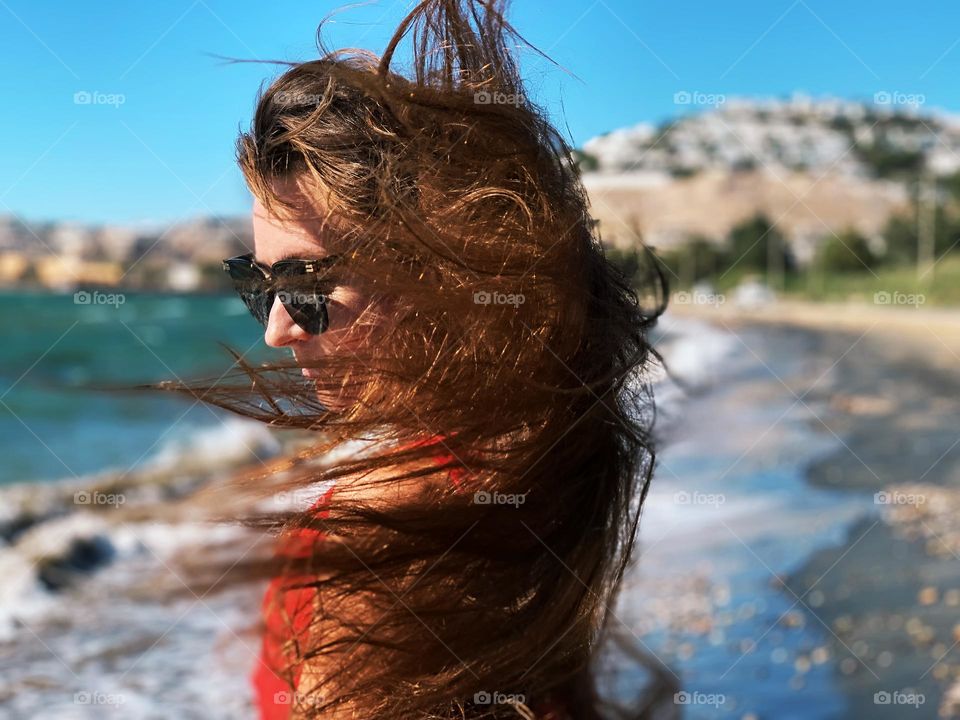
x,y
889,595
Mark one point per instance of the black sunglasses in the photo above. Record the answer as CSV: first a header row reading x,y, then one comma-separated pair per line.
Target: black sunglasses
x,y
302,286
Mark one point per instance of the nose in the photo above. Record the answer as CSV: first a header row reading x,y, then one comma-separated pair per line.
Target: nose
x,y
281,330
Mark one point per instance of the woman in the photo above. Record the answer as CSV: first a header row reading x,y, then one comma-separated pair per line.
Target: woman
x,y
463,348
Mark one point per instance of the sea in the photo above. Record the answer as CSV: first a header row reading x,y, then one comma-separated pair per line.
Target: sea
x,y
56,350
728,516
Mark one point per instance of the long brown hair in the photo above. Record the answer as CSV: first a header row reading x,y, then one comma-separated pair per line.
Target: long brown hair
x,y
455,204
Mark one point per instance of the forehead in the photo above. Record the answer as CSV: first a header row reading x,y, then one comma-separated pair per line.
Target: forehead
x,y
275,239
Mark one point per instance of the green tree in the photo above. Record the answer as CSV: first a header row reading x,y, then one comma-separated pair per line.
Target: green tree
x,y
901,237
848,251
888,161
700,258
755,244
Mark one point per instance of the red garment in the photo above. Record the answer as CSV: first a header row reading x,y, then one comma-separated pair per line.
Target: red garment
x,y
273,695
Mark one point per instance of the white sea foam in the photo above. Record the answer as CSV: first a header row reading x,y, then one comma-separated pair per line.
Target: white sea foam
x,y
695,349
229,441
697,355
60,522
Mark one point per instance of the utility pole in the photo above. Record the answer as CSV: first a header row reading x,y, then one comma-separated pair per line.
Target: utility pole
x,y
926,226
775,268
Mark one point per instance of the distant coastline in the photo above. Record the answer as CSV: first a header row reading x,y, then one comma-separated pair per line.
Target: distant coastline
x,y
62,256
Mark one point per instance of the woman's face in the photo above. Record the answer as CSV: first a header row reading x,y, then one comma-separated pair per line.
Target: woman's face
x,y
277,240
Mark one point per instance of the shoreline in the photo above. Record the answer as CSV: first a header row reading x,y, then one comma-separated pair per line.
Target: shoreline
x,y
924,323
730,513
857,390
889,594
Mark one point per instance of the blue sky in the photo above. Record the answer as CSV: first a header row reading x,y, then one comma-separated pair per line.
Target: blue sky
x,y
166,152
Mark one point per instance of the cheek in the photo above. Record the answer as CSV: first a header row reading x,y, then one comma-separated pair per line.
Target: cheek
x,y
344,307
352,320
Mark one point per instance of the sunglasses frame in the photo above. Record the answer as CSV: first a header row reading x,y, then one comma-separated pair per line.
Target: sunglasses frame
x,y
259,294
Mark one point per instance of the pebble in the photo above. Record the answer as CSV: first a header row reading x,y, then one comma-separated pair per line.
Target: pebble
x,y
820,655
848,666
928,596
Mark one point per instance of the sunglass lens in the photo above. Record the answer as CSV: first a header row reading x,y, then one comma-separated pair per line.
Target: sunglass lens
x,y
308,309
258,300
306,305
251,286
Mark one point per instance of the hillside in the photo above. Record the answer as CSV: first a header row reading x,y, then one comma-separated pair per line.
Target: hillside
x,y
813,166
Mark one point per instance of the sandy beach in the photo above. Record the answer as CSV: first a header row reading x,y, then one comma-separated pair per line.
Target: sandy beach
x,y
887,596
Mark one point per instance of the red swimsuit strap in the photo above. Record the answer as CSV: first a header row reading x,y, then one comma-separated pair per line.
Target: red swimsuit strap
x,y
289,613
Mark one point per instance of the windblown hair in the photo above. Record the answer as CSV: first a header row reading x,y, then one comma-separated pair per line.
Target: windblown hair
x,y
503,328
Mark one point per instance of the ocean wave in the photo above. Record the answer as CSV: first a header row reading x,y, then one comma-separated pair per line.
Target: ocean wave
x,y
696,354
231,441
57,533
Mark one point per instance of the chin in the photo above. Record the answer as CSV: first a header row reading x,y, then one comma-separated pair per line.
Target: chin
x,y
330,401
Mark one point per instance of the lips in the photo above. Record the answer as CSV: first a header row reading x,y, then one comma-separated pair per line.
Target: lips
x,y
307,372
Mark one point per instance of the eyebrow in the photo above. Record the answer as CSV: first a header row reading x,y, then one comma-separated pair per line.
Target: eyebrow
x,y
298,256
293,256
